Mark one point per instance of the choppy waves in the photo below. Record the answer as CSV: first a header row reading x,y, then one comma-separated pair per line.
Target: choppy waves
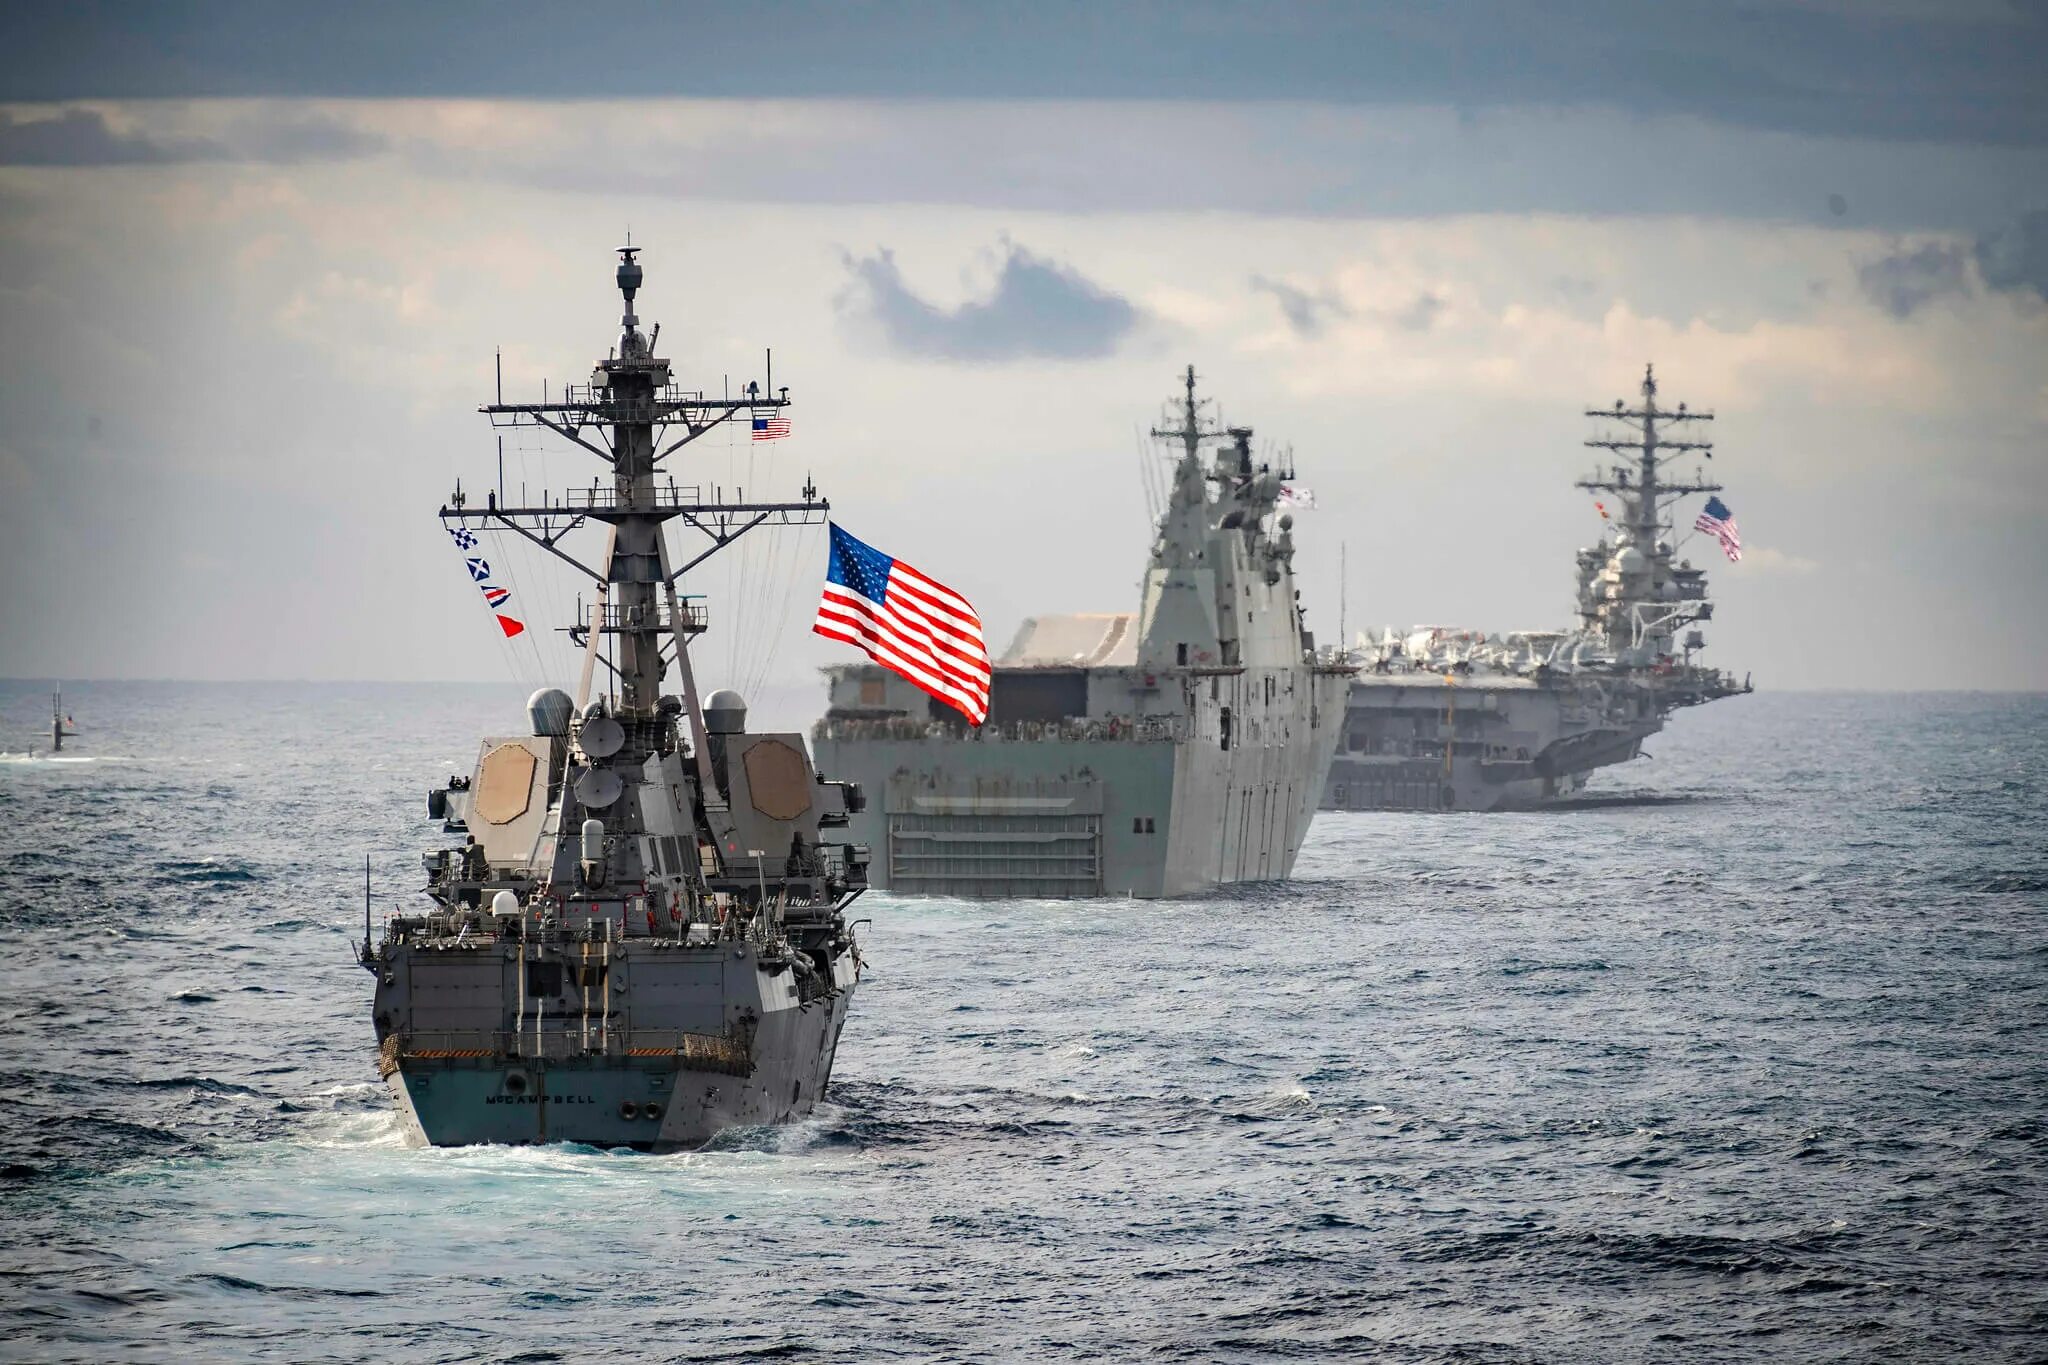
x,y
1737,1058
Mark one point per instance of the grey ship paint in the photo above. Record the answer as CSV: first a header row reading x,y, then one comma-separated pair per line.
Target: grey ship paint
x,y
643,939
1153,753
1446,719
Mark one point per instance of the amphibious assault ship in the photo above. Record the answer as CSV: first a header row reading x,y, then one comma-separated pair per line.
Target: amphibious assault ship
x,y
1152,753
643,939
1443,718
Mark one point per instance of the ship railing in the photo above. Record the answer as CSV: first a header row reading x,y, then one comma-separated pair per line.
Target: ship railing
x,y
602,497
599,396
1091,730
579,1035
619,618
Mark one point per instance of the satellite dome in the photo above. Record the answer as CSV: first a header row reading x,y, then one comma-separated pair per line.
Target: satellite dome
x,y
725,712
549,710
1631,560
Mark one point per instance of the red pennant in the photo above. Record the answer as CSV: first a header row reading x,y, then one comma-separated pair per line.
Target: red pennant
x,y
510,626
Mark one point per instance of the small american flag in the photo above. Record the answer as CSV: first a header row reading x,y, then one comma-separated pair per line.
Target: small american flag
x,y
1717,521
911,625
770,428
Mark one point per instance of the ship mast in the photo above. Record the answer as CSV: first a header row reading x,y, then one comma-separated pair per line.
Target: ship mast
x,y
1645,498
1645,597
633,417
1191,432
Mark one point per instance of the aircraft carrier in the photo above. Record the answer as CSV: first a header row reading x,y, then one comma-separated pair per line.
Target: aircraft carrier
x,y
642,939
1444,718
1150,753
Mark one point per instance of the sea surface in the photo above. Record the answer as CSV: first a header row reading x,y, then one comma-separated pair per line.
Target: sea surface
x,y
1742,1058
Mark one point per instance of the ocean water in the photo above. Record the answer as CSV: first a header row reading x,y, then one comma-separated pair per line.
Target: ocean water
x,y
1741,1058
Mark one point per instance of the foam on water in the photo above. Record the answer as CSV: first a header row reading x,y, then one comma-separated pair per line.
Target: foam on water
x,y
1738,1058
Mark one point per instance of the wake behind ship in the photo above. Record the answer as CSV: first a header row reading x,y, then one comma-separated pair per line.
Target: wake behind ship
x,y
643,939
1154,753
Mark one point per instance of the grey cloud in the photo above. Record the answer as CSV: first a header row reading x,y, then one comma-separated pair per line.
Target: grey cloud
x,y
293,137
2016,260
1038,309
83,137
1418,314
1309,311
1286,159
1305,312
1955,73
2010,260
1907,281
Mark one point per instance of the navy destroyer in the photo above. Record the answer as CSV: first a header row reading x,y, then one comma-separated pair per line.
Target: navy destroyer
x,y
1444,718
1153,753
642,938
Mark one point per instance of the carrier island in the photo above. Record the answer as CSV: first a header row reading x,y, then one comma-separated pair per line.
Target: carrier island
x,y
1149,753
1445,718
642,938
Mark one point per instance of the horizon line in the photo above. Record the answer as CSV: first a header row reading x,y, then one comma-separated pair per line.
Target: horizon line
x,y
2017,690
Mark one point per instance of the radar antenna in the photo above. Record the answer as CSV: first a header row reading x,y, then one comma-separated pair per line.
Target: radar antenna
x,y
634,417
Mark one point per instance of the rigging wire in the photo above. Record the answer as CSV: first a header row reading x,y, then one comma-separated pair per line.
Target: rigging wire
x,y
1149,476
543,608
771,567
489,549
533,667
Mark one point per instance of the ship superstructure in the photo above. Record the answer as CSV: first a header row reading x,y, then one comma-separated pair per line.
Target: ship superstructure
x,y
642,939
1444,718
1147,753
61,727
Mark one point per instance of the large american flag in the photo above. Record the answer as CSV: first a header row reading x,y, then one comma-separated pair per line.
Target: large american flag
x,y
770,428
1717,521
911,625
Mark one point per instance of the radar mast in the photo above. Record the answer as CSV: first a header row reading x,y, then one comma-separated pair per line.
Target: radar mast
x,y
1646,497
634,417
1638,598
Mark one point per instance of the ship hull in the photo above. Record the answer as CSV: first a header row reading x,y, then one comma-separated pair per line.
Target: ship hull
x,y
1511,746
653,1080
992,818
1420,785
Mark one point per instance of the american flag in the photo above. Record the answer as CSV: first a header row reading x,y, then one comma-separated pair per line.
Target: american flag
x,y
770,428
911,625
1717,521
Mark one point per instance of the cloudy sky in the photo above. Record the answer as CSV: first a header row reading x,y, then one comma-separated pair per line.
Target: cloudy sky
x,y
254,271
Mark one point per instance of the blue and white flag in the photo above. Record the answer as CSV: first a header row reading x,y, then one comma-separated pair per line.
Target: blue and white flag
x,y
480,573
